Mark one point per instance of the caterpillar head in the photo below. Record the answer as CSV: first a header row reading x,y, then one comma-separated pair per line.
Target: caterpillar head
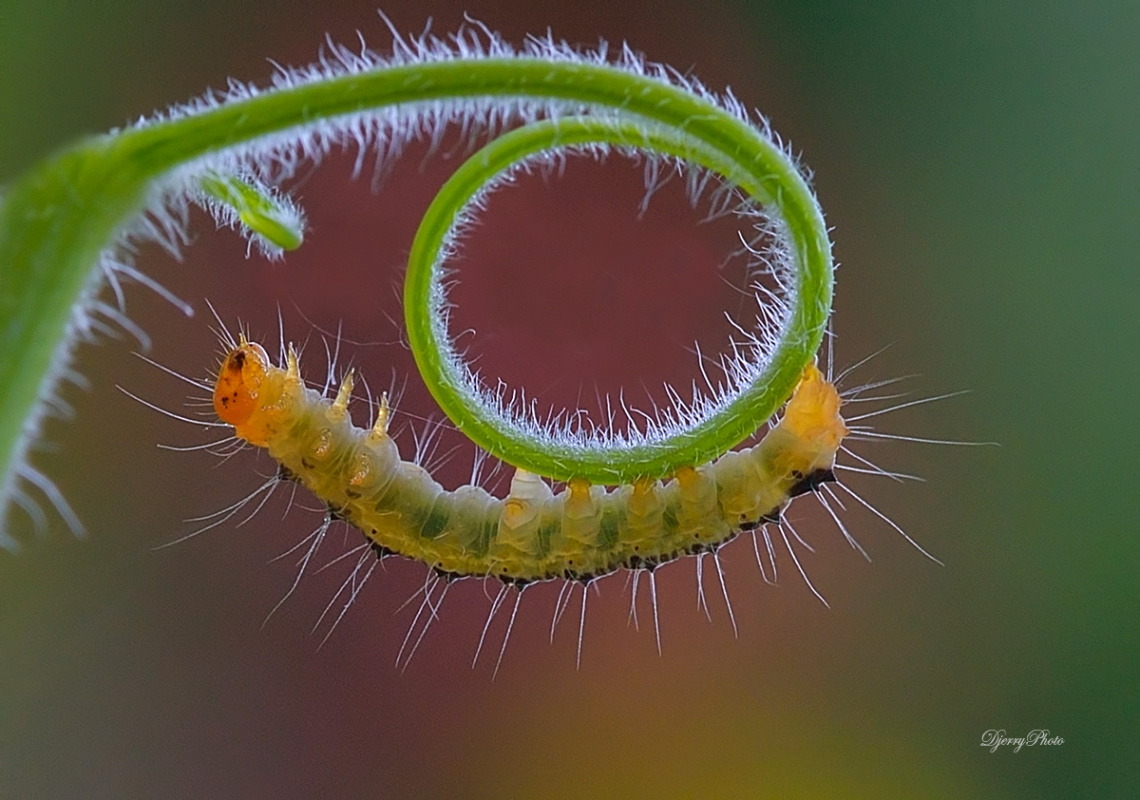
x,y
238,388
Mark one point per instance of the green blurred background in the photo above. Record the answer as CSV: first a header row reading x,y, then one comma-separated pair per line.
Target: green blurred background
x,y
977,162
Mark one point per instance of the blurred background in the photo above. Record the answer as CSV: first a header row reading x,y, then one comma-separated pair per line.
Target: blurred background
x,y
977,163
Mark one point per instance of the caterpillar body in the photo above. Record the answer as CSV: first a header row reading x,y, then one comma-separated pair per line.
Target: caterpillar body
x,y
580,533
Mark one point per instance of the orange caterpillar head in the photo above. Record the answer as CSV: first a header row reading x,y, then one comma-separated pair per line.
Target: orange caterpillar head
x,y
239,383
813,412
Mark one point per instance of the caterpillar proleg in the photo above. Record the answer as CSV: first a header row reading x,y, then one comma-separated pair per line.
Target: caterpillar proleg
x,y
580,533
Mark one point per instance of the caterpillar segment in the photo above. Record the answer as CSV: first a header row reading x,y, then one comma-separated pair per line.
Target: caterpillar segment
x,y
580,533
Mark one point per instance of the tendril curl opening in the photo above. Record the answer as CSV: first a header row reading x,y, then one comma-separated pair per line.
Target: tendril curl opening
x,y
758,380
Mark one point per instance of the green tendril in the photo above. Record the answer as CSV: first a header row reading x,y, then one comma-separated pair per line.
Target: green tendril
x,y
257,210
57,220
753,165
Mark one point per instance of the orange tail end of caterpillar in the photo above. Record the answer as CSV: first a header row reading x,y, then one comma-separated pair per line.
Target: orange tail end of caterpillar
x,y
813,413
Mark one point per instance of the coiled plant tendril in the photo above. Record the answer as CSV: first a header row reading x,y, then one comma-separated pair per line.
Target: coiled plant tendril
x,y
64,225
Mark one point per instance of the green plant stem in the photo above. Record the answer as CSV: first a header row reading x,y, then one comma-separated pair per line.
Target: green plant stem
x,y
55,221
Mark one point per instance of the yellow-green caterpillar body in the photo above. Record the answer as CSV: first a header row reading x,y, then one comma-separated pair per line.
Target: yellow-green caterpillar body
x,y
579,533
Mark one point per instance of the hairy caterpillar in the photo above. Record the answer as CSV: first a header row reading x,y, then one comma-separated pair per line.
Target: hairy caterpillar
x,y
580,533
